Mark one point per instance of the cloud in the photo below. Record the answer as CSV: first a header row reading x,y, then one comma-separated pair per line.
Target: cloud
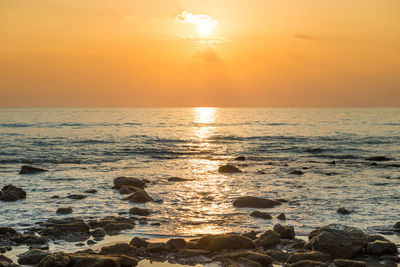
x,y
305,36
197,19
211,41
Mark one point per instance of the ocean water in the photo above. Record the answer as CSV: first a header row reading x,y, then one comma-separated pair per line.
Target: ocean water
x,y
87,148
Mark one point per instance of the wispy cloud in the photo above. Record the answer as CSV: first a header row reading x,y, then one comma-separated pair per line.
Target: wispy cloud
x,y
197,19
305,36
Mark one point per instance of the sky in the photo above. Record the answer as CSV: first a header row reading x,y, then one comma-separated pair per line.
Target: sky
x,y
184,53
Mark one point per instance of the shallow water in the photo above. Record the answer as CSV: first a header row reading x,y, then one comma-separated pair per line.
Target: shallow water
x,y
88,148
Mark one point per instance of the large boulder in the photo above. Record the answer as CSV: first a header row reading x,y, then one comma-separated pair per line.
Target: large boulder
x,y
129,181
255,202
227,241
339,241
177,243
380,248
128,189
228,169
158,247
30,169
12,193
140,196
286,232
32,257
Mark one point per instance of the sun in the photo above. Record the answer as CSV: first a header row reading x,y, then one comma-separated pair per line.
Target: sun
x,y
205,24
205,27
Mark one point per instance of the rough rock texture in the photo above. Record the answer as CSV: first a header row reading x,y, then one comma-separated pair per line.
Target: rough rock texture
x,y
339,241
32,257
260,214
313,256
30,169
379,248
349,263
286,232
64,210
139,242
176,243
228,169
255,202
139,211
268,239
139,196
130,181
120,249
228,241
59,259
12,193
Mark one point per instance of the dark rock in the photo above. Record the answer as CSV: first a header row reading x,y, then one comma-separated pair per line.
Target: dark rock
x,y
396,225
262,259
76,196
176,243
98,232
7,231
89,260
313,256
120,249
76,226
344,211
177,179
339,241
373,238
268,239
228,169
64,210
378,158
260,214
139,196
240,158
55,196
349,263
379,248
155,224
296,245
91,191
281,217
286,232
227,241
59,259
139,242
277,254
252,235
114,228
192,252
12,193
255,202
158,247
130,181
30,170
91,242
5,259
32,257
296,172
128,189
308,263
139,211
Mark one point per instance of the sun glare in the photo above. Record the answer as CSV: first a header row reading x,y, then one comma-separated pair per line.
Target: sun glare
x,y
204,23
205,28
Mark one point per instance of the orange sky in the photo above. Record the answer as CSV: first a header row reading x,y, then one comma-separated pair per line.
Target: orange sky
x,y
262,53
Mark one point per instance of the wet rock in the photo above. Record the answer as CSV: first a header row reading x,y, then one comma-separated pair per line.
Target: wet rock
x,y
313,256
11,193
91,242
339,241
373,238
308,263
255,202
7,231
76,196
286,232
158,247
379,248
32,257
139,242
176,243
64,210
30,170
396,225
91,191
10,237
296,172
349,263
5,259
262,259
227,241
268,239
139,211
130,181
228,169
260,214
239,262
155,224
240,158
89,260
59,259
281,217
378,158
177,179
116,227
120,249
76,226
98,232
110,220
277,255
252,235
55,197
128,189
192,252
344,211
139,196
295,245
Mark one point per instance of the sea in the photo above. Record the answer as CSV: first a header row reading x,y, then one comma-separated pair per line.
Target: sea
x,y
349,158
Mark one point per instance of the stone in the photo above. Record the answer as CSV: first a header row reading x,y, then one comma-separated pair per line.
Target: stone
x,y
240,158
379,248
139,211
255,202
252,235
378,158
77,226
260,214
91,242
76,196
296,172
281,217
11,193
339,241
30,170
344,211
120,249
130,181
277,254
268,239
139,196
89,260
5,259
286,232
176,243
192,252
158,247
114,228
128,189
64,210
373,238
98,232
228,169
313,256
32,257
396,225
308,263
349,263
59,259
177,179
139,242
91,191
263,259
225,241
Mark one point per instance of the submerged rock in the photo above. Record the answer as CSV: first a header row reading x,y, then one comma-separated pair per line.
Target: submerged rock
x,y
286,232
281,217
296,172
76,196
177,179
227,241
91,191
11,193
344,211
240,158
128,189
139,196
378,158
228,169
255,202
64,210
130,181
139,211
30,169
260,214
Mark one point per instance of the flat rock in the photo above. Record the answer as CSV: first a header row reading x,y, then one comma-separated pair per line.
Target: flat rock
x,y
255,202
120,249
308,263
30,170
77,196
158,247
378,158
91,191
296,172
177,179
228,169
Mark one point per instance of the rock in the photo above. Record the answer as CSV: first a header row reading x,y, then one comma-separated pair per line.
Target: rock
x,y
55,197
255,202
12,193
76,226
192,252
64,210
252,235
30,169
240,158
379,248
262,259
349,263
177,179
128,189
313,256
114,228
228,169
4,261
344,211
296,172
32,257
139,242
286,232
277,254
373,238
268,239
91,242
139,196
140,212
76,196
130,181
158,247
98,232
91,191
239,262
308,263
281,217
378,158
296,245
396,225
260,214
339,241
88,260
176,243
59,259
225,241
7,231
120,249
